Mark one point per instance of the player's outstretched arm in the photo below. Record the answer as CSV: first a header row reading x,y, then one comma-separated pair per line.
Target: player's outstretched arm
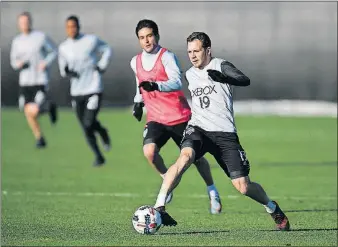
x,y
230,75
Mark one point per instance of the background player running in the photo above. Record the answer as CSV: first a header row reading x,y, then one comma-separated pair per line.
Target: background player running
x,y
32,53
212,128
159,88
78,60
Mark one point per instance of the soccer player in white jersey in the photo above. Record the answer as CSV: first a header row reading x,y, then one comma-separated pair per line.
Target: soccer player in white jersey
x,y
212,128
32,53
79,60
159,88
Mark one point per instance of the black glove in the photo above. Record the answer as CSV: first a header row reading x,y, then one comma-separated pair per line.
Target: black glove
x,y
25,66
217,76
101,71
71,73
149,86
138,111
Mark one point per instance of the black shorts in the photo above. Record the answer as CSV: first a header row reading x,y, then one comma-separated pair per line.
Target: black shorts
x,y
87,107
159,133
224,146
32,94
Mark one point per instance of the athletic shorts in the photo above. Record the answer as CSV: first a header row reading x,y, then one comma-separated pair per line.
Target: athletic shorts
x,y
32,94
159,133
224,146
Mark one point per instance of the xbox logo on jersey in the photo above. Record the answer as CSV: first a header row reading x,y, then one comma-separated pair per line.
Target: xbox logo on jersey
x,y
203,91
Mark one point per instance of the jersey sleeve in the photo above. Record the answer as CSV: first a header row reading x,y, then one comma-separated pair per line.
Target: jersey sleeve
x,y
62,62
172,68
234,76
51,50
106,51
14,55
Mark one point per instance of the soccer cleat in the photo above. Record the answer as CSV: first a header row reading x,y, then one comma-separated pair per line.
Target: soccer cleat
x,y
167,220
215,204
105,140
99,161
169,198
41,143
282,222
53,113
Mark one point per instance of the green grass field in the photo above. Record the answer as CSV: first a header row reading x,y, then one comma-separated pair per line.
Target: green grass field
x,y
55,196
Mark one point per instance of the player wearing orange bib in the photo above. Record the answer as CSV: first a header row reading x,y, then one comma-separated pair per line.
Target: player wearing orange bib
x,y
159,89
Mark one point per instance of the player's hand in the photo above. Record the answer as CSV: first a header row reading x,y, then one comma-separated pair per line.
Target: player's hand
x,y
138,111
23,65
216,75
149,86
101,71
42,66
71,73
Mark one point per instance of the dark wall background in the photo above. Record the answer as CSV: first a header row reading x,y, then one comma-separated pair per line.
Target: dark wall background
x,y
289,50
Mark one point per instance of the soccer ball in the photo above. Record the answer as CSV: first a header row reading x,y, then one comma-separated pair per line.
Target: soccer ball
x,y
146,220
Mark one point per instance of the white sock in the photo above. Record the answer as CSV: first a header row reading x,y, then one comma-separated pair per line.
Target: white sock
x,y
162,175
270,207
160,200
212,191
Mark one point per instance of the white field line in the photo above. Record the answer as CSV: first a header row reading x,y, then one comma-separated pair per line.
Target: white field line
x,y
129,195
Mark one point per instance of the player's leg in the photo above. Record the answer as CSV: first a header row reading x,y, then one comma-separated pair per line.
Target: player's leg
x,y
256,192
155,137
203,168
171,179
52,111
233,160
32,112
48,106
191,149
97,126
31,99
89,119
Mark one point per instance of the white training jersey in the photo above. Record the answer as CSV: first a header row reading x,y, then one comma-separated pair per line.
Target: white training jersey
x,y
82,55
211,103
33,48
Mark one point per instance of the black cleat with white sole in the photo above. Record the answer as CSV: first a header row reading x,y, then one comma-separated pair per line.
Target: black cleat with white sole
x,y
167,220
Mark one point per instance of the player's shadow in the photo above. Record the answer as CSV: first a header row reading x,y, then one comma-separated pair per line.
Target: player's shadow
x,y
311,210
304,230
274,164
290,211
192,232
265,230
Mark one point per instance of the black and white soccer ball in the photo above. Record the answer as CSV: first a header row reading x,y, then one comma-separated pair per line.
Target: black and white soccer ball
x,y
146,220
